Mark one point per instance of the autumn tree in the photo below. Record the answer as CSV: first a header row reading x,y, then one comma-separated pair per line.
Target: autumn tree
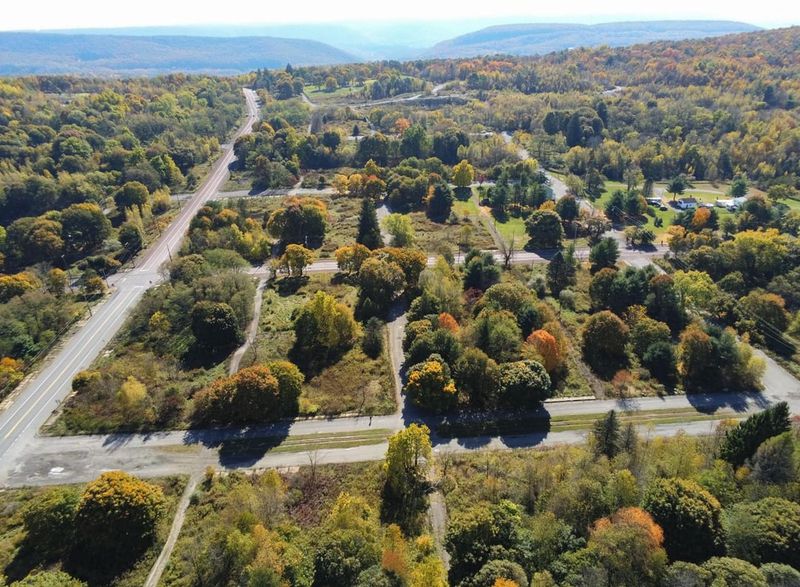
x,y
430,385
301,221
477,376
132,193
32,240
49,521
350,258
627,546
116,520
677,186
479,534
254,394
774,462
690,517
295,259
349,544
404,493
84,227
131,238
463,176
603,343
547,350
524,383
323,329
399,226
497,333
645,332
49,579
502,573
544,229
765,531
380,281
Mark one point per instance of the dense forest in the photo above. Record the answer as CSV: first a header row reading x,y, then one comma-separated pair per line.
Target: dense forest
x,y
86,171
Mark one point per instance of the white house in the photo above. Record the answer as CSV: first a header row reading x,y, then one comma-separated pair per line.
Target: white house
x,y
687,203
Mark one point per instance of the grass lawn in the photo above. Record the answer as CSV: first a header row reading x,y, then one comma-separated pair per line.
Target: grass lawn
x,y
355,383
321,96
512,228
16,561
792,203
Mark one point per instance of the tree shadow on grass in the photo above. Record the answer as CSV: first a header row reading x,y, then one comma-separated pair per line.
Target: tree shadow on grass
x,y
288,286
27,558
199,356
74,560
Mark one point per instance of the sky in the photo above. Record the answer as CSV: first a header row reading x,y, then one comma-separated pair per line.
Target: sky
x,y
61,14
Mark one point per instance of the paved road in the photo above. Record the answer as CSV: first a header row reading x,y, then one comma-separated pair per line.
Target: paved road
x,y
43,393
80,459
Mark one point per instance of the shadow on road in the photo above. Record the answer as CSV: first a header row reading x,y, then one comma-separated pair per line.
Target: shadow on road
x,y
240,447
708,403
475,430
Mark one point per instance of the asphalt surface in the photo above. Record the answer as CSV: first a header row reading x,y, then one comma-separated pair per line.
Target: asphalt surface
x,y
41,395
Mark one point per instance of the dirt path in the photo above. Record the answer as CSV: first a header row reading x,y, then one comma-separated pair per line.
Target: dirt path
x,y
437,517
396,328
488,221
382,212
177,523
252,329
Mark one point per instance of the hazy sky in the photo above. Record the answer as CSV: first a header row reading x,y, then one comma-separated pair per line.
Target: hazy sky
x,y
49,14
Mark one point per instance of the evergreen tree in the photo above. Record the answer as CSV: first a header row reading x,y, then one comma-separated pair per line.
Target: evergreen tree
x,y
561,271
741,442
369,232
574,131
606,434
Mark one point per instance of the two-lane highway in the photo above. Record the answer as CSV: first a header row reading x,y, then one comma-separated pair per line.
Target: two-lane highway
x,y
42,394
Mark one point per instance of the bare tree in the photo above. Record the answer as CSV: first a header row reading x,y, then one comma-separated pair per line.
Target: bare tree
x,y
313,461
507,251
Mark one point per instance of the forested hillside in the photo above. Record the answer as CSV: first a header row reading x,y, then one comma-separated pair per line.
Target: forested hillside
x,y
56,53
538,39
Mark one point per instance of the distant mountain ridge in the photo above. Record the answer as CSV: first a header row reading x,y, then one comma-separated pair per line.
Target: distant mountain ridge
x,y
54,53
537,39
133,52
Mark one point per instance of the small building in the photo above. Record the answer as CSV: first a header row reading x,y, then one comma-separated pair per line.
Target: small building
x,y
687,203
731,204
